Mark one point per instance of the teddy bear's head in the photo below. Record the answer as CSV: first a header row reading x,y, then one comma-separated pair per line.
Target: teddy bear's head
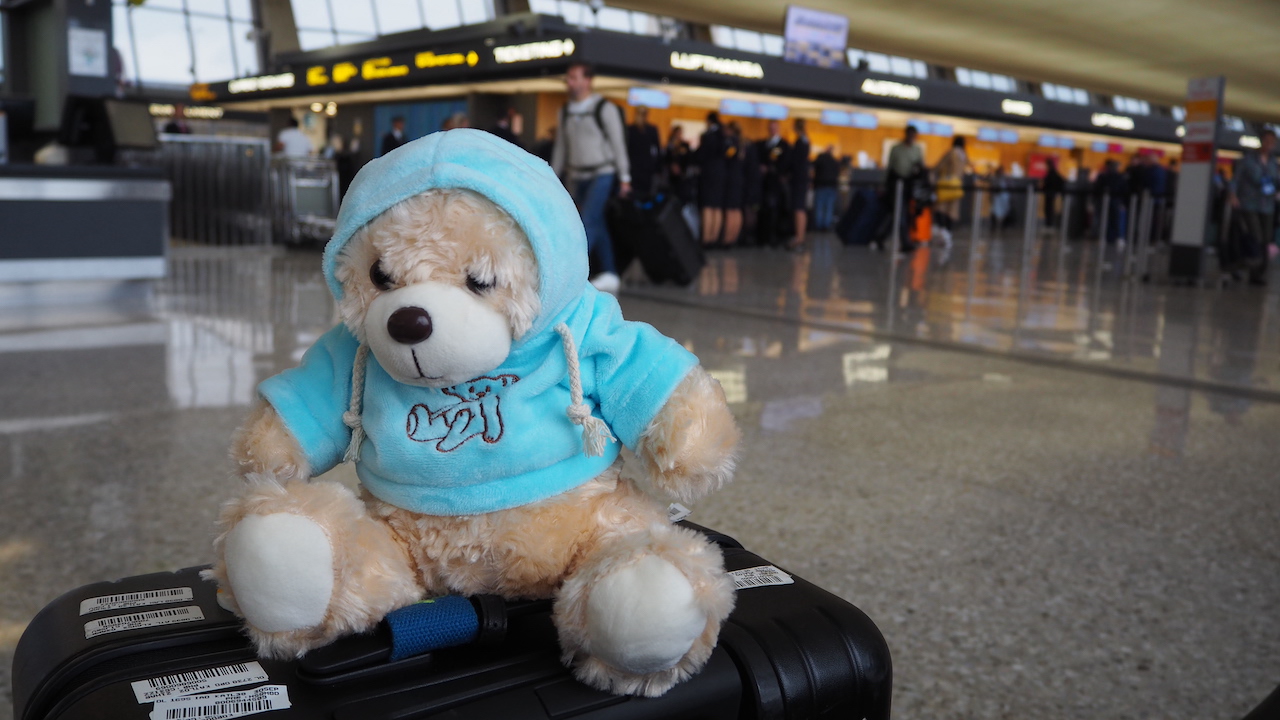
x,y
439,286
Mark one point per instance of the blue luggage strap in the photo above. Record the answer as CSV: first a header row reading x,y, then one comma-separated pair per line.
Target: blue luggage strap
x,y
444,622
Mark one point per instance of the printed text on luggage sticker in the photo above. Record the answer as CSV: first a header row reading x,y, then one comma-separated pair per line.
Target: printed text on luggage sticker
x,y
198,681
220,706
135,621
677,512
135,599
762,576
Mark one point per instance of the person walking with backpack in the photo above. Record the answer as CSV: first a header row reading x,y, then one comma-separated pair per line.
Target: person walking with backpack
x,y
590,156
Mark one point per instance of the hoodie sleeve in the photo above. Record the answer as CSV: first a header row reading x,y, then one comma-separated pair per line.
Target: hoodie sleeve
x,y
635,369
312,397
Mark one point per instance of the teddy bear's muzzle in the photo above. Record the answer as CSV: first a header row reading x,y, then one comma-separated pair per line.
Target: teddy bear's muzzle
x,y
409,325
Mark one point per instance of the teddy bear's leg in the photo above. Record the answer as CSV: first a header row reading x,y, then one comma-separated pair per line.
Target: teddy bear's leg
x,y
643,611
304,563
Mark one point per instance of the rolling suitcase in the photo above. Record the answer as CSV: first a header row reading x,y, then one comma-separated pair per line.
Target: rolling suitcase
x,y
857,224
656,232
159,647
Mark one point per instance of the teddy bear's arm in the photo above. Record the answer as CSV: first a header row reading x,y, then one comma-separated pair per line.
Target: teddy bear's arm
x,y
690,447
264,445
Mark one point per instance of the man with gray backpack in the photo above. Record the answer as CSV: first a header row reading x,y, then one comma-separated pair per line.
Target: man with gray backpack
x,y
590,156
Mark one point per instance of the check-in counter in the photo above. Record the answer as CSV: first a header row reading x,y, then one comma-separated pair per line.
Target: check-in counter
x,y
82,223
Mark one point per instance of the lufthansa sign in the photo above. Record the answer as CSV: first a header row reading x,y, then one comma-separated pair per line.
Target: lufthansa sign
x,y
719,66
545,50
886,88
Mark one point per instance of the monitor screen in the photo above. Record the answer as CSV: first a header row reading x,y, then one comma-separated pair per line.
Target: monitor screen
x,y
815,38
131,124
836,117
648,97
742,108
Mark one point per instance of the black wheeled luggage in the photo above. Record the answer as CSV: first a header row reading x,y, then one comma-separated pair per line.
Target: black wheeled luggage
x,y
654,230
159,646
857,224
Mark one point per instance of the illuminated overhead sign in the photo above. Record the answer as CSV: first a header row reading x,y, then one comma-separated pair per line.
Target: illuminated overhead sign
x,y
380,68
1009,137
1250,141
648,97
1056,141
283,81
888,88
840,118
543,50
924,127
1107,120
1016,107
383,68
746,108
719,66
432,60
199,112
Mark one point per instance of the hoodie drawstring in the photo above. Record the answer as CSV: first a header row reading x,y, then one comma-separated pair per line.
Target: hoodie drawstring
x,y
352,416
594,432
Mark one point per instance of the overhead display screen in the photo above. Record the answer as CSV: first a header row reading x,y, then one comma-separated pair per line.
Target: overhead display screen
x,y
814,37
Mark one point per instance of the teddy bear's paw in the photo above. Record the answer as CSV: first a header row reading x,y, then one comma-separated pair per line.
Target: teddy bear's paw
x,y
644,618
280,567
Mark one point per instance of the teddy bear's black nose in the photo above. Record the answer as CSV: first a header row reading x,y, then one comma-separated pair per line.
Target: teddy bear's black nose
x,y
409,325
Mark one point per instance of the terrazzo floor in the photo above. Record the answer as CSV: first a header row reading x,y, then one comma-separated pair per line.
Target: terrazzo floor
x,y
1042,525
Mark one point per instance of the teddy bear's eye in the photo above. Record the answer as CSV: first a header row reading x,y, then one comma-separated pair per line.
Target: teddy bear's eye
x,y
477,286
380,278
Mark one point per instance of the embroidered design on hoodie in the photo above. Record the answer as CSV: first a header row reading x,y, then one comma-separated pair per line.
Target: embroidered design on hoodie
x,y
477,413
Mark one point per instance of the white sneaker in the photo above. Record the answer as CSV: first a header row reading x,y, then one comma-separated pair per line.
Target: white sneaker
x,y
607,282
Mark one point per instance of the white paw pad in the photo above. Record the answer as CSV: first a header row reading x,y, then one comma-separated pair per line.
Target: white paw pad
x,y
281,570
643,618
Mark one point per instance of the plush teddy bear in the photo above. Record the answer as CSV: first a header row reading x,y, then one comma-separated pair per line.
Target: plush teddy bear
x,y
483,389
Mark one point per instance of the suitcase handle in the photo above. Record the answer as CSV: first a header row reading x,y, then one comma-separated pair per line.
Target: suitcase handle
x,y
444,622
423,627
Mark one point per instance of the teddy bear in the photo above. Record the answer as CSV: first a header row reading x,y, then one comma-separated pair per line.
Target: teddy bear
x,y
483,390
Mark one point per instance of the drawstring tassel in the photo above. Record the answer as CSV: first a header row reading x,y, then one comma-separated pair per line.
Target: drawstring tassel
x,y
594,432
352,416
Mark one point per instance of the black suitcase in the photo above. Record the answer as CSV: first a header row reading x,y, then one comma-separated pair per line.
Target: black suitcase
x,y
655,231
857,224
159,646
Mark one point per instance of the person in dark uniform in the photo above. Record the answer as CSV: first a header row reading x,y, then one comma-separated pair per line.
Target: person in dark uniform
x,y
751,184
774,153
644,149
676,162
710,159
734,182
395,138
801,167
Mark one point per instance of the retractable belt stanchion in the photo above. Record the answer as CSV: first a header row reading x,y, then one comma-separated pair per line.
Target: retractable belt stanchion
x,y
1104,235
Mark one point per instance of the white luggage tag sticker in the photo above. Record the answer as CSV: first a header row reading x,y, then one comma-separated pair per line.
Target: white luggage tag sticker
x,y
220,706
198,681
677,512
135,599
137,621
762,576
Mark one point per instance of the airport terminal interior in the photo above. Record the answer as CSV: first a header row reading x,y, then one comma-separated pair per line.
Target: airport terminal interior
x,y
1035,444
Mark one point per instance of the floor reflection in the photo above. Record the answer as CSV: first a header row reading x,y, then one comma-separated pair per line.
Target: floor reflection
x,y
1040,297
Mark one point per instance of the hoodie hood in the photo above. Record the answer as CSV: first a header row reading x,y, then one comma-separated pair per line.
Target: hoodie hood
x,y
523,185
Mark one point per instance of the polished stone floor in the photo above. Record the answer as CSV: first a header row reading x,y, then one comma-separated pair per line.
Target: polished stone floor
x,y
1053,488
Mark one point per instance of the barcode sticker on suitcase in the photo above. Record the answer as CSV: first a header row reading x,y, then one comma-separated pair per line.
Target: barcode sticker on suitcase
x,y
762,576
136,621
198,681
135,599
220,706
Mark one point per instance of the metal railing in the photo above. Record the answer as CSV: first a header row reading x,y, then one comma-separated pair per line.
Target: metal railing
x,y
231,191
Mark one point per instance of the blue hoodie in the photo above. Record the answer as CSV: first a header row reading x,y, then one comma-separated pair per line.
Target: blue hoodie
x,y
502,440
